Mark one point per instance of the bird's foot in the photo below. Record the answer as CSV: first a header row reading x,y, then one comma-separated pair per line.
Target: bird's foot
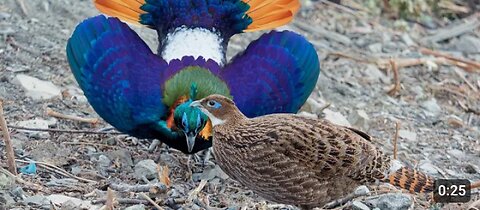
x,y
203,160
153,146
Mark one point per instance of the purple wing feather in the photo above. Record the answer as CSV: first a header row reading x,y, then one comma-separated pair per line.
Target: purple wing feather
x,y
275,74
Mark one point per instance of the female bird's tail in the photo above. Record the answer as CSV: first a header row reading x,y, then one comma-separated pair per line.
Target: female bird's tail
x,y
227,16
412,180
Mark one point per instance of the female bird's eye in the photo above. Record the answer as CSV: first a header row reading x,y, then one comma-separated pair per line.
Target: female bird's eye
x,y
214,104
211,103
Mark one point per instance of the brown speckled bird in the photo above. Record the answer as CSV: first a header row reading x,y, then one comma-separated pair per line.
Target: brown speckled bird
x,y
299,161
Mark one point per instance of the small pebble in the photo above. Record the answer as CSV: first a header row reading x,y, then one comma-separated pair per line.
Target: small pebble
x,y
145,168
357,205
136,207
392,201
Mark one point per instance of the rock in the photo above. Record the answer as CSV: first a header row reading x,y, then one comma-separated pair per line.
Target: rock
x,y
18,193
5,181
427,167
374,74
471,169
145,168
307,114
136,207
66,182
123,157
418,90
459,154
432,107
360,119
35,123
75,93
357,205
4,15
361,191
408,135
392,201
313,106
52,122
38,200
336,118
38,89
103,163
62,200
468,44
375,47
407,40
6,201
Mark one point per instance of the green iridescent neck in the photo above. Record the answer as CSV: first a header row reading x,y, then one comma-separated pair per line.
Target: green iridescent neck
x,y
181,83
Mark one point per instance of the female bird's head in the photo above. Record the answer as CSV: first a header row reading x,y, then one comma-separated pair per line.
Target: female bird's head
x,y
218,108
191,121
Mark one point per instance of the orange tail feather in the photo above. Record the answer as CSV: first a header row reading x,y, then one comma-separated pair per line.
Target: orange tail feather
x,y
268,14
412,180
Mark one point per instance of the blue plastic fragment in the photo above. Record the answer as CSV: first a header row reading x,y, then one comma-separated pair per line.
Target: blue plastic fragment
x,y
29,169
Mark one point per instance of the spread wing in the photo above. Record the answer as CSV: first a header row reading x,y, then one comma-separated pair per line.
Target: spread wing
x,y
118,73
275,74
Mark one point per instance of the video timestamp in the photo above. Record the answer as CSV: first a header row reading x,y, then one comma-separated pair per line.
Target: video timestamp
x,y
452,191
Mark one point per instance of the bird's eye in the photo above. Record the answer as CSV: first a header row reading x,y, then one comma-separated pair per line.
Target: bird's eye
x,y
211,103
214,104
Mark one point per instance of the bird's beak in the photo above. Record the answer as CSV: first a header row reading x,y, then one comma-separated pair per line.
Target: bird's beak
x,y
190,141
196,104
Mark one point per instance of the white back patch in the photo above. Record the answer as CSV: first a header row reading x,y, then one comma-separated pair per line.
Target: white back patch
x,y
193,42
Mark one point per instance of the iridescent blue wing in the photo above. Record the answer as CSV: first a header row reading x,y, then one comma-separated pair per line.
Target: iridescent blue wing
x,y
275,74
118,73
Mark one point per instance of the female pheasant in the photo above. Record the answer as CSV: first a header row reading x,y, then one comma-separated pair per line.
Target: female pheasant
x,y
148,95
299,161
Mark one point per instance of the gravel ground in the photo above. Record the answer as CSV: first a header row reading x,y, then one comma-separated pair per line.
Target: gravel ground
x,y
437,107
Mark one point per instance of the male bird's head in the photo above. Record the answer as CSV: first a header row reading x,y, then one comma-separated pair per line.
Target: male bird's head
x,y
191,121
218,108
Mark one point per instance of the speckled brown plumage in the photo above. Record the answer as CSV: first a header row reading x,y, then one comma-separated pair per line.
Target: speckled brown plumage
x,y
300,161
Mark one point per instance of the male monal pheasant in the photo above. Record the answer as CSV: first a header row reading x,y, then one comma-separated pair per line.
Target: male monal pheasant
x,y
148,95
299,161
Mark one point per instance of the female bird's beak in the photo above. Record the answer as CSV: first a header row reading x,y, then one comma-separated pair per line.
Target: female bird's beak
x,y
196,104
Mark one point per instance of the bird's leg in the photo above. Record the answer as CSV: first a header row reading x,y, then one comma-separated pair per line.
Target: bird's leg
x,y
189,174
203,160
206,158
155,143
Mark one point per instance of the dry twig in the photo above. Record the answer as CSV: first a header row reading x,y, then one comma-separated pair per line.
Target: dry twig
x,y
467,64
21,181
151,201
124,201
396,87
457,30
163,172
58,170
8,143
395,140
197,190
63,130
475,185
52,113
153,188
110,202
